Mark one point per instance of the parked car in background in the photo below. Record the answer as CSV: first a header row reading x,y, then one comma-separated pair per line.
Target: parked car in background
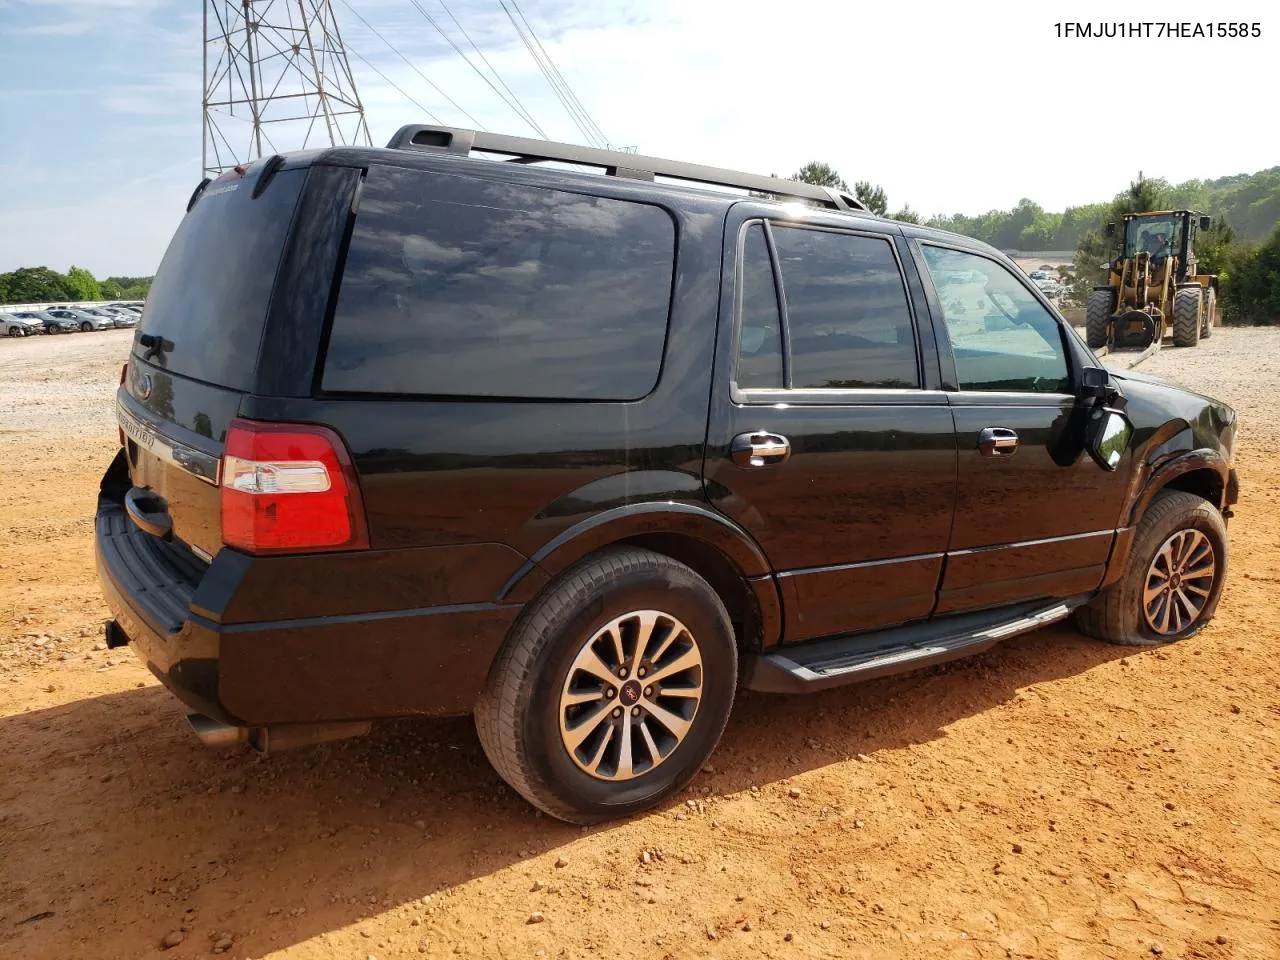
x,y
1051,288
47,322
12,325
134,307
120,316
84,319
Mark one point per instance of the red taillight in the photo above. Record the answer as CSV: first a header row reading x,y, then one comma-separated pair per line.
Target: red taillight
x,y
289,488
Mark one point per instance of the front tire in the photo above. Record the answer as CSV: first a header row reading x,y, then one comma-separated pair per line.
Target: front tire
x,y
612,688
1187,310
1173,578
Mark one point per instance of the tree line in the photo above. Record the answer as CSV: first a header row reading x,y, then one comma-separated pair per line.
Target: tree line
x,y
43,285
1242,248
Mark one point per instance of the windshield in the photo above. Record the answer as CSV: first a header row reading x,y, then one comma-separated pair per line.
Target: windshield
x,y
1158,236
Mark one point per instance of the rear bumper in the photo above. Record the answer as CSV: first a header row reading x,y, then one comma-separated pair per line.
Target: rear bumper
x,y
221,638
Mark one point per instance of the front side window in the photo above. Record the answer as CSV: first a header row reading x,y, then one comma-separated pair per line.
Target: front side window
x,y
848,321
1002,338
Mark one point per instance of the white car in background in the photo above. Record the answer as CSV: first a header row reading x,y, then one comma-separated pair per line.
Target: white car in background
x,y
15,326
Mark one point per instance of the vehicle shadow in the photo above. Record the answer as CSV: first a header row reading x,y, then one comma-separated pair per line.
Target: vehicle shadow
x,y
117,826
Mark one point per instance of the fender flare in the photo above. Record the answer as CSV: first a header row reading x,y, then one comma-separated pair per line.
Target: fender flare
x,y
1177,466
665,517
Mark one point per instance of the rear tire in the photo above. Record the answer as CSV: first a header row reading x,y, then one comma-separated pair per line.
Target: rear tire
x,y
1187,316
548,683
1125,613
16,332
1098,309
1210,314
86,327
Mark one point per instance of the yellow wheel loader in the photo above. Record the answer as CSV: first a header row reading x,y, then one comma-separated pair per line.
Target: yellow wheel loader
x,y
1153,289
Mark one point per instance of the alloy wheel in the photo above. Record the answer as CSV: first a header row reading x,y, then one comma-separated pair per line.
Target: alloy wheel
x,y
631,695
1179,582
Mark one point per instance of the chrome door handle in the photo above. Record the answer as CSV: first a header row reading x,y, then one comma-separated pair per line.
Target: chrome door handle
x,y
997,442
759,449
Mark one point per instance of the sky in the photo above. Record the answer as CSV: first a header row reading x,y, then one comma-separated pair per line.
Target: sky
x,y
951,107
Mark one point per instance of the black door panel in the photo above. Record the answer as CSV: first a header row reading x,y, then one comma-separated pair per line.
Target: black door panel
x,y
852,493
881,592
857,519
1035,516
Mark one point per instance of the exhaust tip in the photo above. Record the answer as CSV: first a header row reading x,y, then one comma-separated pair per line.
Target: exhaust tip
x,y
213,733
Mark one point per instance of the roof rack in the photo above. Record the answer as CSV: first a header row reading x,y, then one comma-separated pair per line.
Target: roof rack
x,y
417,136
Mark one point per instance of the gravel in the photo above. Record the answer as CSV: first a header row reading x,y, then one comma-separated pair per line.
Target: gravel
x,y
1237,365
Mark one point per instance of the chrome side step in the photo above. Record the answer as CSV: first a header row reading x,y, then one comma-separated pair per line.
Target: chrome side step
x,y
821,664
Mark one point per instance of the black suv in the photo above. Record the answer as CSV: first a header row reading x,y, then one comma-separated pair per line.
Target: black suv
x,y
442,429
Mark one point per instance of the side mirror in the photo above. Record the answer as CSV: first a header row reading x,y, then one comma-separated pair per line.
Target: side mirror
x,y
1111,229
1107,436
1094,382
1204,223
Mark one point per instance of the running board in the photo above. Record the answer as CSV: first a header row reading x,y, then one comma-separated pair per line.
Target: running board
x,y
817,665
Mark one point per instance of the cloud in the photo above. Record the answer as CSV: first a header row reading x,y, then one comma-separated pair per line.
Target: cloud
x,y
948,108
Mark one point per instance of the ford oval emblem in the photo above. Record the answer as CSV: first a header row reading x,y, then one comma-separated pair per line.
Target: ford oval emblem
x,y
144,386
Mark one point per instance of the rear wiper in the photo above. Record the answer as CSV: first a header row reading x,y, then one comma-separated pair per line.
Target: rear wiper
x,y
155,345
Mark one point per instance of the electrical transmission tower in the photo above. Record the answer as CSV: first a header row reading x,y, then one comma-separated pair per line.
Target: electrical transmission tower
x,y
276,77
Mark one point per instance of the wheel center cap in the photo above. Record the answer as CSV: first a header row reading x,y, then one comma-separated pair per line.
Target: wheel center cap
x,y
630,693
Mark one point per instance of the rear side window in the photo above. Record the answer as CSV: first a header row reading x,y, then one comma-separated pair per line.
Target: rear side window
x,y
210,296
455,286
848,320
760,331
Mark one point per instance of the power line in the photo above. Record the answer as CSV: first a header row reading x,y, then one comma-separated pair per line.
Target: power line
x,y
397,87
555,89
590,129
519,111
563,82
497,76
433,85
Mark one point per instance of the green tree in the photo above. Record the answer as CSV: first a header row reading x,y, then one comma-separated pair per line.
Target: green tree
x,y
36,285
820,174
907,215
110,290
872,196
1214,247
131,288
82,284
1253,293
4,289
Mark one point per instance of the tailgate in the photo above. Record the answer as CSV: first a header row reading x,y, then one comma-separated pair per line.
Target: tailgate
x,y
173,435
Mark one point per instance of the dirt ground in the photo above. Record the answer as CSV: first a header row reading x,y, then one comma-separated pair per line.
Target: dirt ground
x,y
1056,798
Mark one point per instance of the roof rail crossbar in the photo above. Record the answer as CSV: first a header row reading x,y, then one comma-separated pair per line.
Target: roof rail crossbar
x,y
615,163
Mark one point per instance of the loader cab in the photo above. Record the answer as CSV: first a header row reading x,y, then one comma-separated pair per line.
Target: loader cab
x,y
1164,234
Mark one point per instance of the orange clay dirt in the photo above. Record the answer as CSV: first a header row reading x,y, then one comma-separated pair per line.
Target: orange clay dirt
x,y
1056,797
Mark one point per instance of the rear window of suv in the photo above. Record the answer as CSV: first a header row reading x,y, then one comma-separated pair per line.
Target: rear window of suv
x,y
210,296
458,286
